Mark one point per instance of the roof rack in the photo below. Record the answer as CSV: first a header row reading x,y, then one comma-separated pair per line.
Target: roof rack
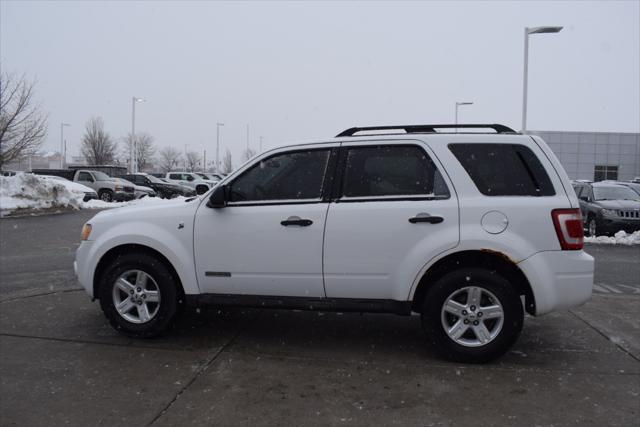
x,y
426,128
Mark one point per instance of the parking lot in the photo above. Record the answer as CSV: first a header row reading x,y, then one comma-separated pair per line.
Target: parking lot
x,y
60,362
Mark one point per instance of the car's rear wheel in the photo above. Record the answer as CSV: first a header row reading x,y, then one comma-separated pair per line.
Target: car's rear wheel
x,y
138,295
106,195
472,315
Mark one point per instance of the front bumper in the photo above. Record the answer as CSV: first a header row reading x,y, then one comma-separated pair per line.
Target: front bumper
x,y
559,279
89,196
82,268
614,224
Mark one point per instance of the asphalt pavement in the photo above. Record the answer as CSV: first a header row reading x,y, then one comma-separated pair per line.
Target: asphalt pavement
x,y
60,363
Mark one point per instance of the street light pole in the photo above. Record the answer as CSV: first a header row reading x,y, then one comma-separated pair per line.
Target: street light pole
x,y
63,151
133,160
525,78
218,146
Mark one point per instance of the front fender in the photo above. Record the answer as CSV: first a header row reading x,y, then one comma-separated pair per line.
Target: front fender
x,y
175,245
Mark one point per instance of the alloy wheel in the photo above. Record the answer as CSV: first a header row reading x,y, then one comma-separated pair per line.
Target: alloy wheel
x,y
136,296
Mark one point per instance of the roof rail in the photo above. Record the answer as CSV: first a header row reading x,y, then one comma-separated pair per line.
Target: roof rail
x,y
426,128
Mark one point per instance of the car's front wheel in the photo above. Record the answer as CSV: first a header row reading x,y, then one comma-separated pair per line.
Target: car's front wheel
x,y
592,227
472,315
138,295
106,195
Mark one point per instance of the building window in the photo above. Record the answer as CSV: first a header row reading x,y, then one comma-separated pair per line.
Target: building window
x,y
605,172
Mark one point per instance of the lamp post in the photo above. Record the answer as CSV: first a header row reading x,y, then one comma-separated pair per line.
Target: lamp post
x,y
458,104
63,151
527,31
133,160
218,146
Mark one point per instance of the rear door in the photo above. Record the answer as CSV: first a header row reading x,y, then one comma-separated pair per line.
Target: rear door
x,y
393,212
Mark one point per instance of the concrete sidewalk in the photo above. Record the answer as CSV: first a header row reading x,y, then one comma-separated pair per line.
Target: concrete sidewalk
x,y
62,364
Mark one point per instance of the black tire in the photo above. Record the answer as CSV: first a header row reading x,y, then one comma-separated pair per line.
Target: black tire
x,y
106,195
162,277
433,317
592,226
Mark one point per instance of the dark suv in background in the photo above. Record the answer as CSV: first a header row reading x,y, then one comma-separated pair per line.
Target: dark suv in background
x,y
608,207
164,189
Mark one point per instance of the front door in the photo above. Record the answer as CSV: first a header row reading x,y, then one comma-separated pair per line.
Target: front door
x,y
268,239
393,212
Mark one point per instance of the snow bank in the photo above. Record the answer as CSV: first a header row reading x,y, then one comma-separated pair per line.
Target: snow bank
x,y
27,191
33,193
620,238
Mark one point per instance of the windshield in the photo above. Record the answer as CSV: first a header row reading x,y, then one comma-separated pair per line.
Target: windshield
x,y
154,179
614,193
101,176
203,176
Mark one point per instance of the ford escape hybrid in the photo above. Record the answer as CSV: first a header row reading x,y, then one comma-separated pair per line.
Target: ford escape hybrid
x,y
468,229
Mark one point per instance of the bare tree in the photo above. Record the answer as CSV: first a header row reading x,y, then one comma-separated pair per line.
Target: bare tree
x,y
193,160
22,123
145,149
248,153
227,165
169,159
97,146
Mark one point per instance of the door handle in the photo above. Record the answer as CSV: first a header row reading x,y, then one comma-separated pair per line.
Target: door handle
x,y
296,220
425,217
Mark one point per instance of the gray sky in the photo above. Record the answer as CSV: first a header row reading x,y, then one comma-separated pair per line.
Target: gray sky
x,y
302,70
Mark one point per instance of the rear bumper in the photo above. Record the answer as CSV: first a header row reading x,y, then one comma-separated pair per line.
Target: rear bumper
x,y
559,279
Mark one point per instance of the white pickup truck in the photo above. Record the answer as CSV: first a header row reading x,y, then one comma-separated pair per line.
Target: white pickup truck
x,y
469,230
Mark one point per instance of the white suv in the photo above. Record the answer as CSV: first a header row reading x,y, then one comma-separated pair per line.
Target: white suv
x,y
192,180
467,229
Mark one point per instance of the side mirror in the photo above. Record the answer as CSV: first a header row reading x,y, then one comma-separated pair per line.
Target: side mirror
x,y
218,198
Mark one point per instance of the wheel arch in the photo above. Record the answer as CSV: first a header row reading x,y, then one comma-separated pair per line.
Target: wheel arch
x,y
484,258
120,250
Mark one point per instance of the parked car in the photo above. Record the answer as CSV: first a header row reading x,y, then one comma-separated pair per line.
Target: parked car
x,y
139,191
469,230
165,190
608,208
89,193
208,177
192,180
8,173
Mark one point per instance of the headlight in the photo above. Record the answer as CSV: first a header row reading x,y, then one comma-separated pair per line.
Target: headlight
x,y
86,231
609,212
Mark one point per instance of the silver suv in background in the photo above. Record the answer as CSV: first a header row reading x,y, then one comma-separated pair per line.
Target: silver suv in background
x,y
191,179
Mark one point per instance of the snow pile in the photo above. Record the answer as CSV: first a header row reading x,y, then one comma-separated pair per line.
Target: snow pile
x,y
620,238
27,191
30,192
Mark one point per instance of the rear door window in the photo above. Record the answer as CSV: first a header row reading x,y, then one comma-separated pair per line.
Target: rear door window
x,y
391,170
504,169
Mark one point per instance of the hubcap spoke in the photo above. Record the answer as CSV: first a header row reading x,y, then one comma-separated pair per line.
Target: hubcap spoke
x,y
492,312
152,296
125,306
124,285
143,312
473,296
482,333
454,307
141,279
458,329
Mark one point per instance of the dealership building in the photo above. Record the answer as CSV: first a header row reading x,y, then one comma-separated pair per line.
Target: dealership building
x,y
596,156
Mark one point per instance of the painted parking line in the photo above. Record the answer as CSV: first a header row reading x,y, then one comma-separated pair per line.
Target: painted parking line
x,y
619,289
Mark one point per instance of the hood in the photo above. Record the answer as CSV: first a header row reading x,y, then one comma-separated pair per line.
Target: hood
x,y
619,204
147,209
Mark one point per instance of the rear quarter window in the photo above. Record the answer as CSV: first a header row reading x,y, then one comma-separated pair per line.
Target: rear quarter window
x,y
504,169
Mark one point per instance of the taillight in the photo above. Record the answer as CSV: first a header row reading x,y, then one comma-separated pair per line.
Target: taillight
x,y
568,224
